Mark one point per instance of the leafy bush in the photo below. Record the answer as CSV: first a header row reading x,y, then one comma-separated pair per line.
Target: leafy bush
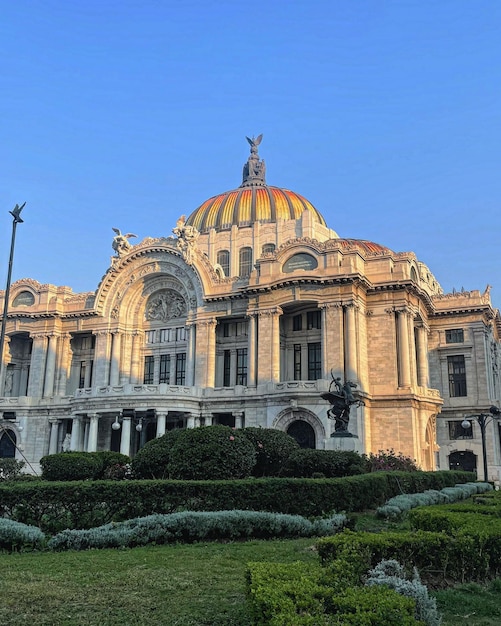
x,y
273,448
70,466
15,536
389,461
10,469
195,526
306,463
294,593
392,575
108,459
152,460
214,453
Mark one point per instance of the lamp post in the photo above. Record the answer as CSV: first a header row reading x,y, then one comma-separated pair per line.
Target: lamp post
x,y
16,214
483,419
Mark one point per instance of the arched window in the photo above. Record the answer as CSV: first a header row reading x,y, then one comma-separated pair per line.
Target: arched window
x,y
268,248
8,444
414,275
223,259
303,433
245,262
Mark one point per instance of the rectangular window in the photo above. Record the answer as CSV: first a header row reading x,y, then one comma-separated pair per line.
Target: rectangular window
x,y
454,335
150,336
181,368
456,430
149,367
226,329
81,379
297,322
313,320
297,362
164,335
241,328
227,368
457,376
164,368
242,366
314,361
181,334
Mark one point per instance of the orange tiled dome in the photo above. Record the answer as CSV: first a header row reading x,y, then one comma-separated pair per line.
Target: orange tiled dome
x,y
253,201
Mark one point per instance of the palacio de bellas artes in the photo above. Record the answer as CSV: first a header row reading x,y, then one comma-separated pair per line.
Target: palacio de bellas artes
x,y
252,311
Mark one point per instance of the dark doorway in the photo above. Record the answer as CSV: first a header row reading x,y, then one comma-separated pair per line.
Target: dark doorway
x,y
464,460
8,445
303,433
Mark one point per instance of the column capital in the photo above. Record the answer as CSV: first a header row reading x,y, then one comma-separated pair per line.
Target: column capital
x,y
326,306
206,323
270,312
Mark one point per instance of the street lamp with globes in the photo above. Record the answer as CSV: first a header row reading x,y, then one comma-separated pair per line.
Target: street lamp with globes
x,y
483,419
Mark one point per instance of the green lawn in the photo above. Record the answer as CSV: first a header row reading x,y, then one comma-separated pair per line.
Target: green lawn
x,y
173,585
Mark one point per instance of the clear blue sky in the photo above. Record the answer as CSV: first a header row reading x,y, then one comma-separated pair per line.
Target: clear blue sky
x,y
385,114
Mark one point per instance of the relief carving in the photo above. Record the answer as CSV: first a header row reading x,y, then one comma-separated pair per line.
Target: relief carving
x,y
165,305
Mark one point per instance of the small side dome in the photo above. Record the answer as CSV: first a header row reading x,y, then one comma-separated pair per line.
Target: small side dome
x,y
368,247
253,201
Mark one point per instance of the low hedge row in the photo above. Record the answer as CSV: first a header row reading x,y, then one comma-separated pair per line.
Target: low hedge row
x,y
297,593
54,506
80,465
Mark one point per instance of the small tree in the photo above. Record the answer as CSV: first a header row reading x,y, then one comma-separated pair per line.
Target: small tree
x,y
389,460
213,453
273,448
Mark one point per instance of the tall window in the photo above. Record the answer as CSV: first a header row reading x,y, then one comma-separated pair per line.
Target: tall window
x,y
297,361
297,322
181,368
81,380
150,336
313,319
314,361
223,258
457,375
164,368
227,368
454,335
242,366
245,262
149,368
456,430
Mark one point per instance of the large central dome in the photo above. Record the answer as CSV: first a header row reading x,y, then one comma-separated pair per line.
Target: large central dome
x,y
253,201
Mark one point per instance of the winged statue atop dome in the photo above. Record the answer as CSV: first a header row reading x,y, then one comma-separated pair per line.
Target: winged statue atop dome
x,y
121,243
255,169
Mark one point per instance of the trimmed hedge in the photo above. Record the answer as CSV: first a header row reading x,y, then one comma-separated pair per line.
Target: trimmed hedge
x,y
295,593
17,537
80,465
305,463
54,506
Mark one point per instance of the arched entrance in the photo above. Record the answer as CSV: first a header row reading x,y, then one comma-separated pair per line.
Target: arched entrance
x,y
463,460
8,445
303,433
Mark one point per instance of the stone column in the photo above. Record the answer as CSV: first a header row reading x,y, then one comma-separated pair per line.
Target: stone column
x,y
239,419
251,351
135,365
5,359
191,356
54,432
37,365
125,436
206,353
332,339
422,357
161,420
269,345
208,418
93,431
350,343
76,433
124,375
64,363
191,420
404,369
115,358
102,359
50,368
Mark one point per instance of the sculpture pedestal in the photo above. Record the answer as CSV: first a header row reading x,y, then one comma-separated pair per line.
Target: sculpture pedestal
x,y
343,440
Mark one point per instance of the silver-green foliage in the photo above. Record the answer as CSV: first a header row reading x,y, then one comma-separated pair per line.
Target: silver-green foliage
x,y
17,536
392,575
394,507
189,526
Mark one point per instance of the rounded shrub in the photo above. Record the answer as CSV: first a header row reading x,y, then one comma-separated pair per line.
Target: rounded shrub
x,y
308,463
212,453
152,460
70,466
107,460
273,447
